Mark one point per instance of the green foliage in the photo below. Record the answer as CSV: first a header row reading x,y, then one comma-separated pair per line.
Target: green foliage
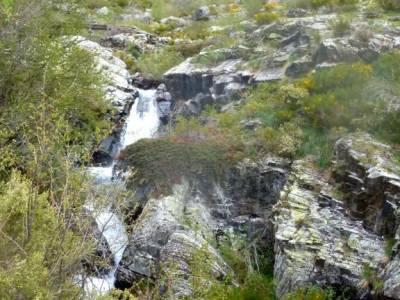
x,y
266,17
320,3
253,6
340,27
163,162
306,116
388,67
39,251
310,293
155,64
52,113
389,4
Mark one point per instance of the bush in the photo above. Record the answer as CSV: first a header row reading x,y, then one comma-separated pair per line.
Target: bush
x,y
266,17
163,162
340,27
310,293
320,3
389,4
155,64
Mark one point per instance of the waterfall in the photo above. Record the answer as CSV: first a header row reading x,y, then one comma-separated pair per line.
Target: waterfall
x,y
143,122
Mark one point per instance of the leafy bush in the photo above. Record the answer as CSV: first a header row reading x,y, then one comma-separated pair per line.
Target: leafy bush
x,y
163,162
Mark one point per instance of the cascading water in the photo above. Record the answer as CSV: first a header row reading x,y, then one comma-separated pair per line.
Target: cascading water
x,y
143,122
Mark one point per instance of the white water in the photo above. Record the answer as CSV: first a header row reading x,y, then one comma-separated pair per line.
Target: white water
x,y
143,122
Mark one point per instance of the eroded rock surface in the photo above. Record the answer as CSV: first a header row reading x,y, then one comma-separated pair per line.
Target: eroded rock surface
x,y
317,242
370,179
118,89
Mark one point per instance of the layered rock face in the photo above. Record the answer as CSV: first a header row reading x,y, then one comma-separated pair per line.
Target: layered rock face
x,y
172,229
369,177
344,233
304,44
316,242
118,89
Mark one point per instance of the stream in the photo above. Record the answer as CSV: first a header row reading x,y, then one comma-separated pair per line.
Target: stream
x,y
143,122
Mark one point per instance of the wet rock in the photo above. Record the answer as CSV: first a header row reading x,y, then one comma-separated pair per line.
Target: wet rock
x,y
102,259
316,242
187,80
106,151
143,82
254,187
164,102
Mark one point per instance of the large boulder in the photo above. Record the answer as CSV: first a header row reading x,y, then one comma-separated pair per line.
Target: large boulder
x,y
162,239
118,88
129,38
201,14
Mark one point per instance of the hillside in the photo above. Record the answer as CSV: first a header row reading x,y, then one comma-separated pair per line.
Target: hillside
x,y
179,149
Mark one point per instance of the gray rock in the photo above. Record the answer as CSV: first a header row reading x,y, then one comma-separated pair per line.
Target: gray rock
x,y
125,38
201,14
370,178
164,102
316,242
297,13
161,242
119,90
300,67
251,124
175,21
104,11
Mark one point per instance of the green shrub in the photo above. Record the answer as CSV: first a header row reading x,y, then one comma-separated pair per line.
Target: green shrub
x,y
388,67
320,3
95,4
389,4
155,64
266,17
163,162
253,6
310,293
340,27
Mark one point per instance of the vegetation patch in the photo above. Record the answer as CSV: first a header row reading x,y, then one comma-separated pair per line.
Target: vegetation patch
x,y
163,162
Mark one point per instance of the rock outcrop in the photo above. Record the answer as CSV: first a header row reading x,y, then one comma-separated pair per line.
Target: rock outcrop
x,y
118,89
317,242
370,181
197,213
132,38
163,240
